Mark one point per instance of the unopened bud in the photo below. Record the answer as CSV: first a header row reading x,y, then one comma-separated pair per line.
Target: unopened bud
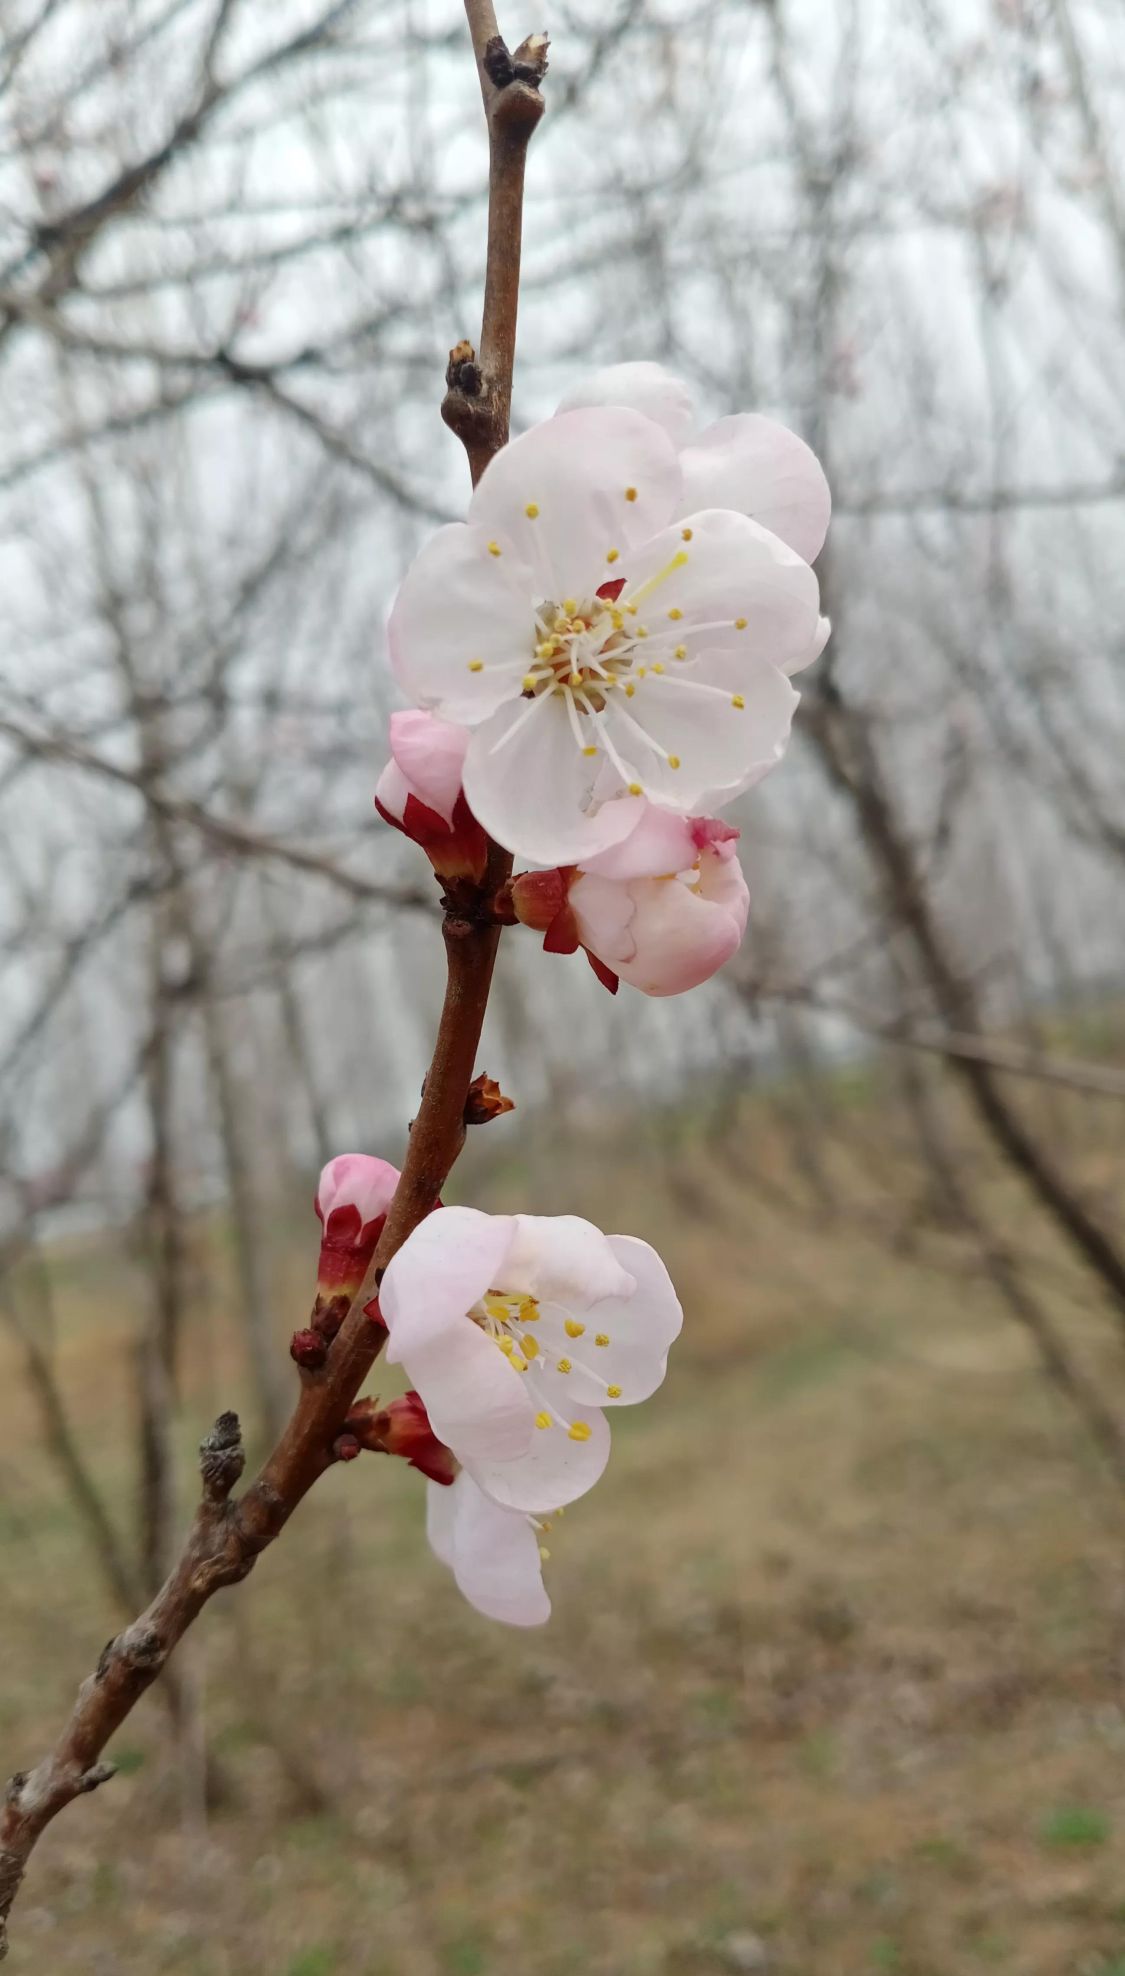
x,y
352,1198
420,793
345,1447
403,1428
308,1349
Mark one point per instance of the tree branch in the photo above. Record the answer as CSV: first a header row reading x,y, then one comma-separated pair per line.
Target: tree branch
x,y
227,1536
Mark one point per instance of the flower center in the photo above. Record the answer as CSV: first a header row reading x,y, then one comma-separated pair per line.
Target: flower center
x,y
584,650
503,1314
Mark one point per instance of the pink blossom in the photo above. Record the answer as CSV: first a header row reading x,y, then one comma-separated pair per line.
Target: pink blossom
x,y
419,793
518,1331
617,618
662,911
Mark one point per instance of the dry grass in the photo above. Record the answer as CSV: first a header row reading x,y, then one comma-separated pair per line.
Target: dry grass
x,y
834,1682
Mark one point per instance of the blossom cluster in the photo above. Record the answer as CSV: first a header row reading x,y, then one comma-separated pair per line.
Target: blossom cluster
x,y
600,659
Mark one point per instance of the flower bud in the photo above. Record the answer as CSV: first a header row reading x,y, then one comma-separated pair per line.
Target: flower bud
x,y
486,1101
352,1198
403,1428
308,1349
419,793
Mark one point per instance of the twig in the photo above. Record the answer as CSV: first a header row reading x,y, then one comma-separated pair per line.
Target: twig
x,y
227,1537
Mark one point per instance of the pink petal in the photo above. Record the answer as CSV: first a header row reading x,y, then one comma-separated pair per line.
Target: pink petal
x,y
596,481
761,469
430,754
663,841
642,387
677,935
442,1269
356,1180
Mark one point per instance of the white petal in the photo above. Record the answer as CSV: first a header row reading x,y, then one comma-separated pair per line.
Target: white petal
x,y
564,1258
459,607
812,650
727,569
476,1400
530,792
429,754
577,471
715,742
441,1515
442,1268
555,1470
760,468
496,1559
639,1328
642,387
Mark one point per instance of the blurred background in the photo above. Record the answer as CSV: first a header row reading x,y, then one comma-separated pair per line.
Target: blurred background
x,y
835,1678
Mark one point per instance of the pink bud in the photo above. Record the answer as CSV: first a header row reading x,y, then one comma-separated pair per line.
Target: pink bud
x,y
419,793
352,1198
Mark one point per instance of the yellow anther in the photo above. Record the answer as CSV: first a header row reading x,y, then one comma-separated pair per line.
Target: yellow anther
x,y
546,650
632,609
685,534
530,1346
589,751
611,555
494,548
658,667
602,1338
530,681
580,1430
506,1346
630,493
529,1311
532,510
673,761
680,652
630,689
544,1552
635,789
574,679
641,671
675,612
542,1420
570,605
563,1365
476,665
573,1328
740,624
519,1363
613,1392
642,631
737,701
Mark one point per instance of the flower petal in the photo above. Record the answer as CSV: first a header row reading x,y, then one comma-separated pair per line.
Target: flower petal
x,y
531,792
722,581
663,841
564,1258
555,1470
462,628
812,650
476,1400
429,753
693,715
442,1268
495,1558
575,487
763,470
638,1330
676,936
642,387
441,1515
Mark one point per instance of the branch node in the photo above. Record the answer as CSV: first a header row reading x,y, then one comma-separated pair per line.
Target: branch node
x,y
221,1458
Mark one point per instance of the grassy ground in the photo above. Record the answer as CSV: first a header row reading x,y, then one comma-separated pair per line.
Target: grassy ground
x,y
834,1682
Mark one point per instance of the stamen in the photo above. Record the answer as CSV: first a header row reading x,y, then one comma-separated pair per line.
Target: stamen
x,y
613,1392
686,534
737,701
476,665
580,1430
494,548
573,1328
630,493
654,582
562,1365
532,510
740,624
602,1338
542,1420
611,555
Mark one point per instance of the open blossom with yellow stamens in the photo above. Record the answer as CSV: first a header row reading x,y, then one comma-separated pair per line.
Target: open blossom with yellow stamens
x,y
611,622
518,1331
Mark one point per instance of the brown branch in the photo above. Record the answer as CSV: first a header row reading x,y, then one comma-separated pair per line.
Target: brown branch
x,y
227,1537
